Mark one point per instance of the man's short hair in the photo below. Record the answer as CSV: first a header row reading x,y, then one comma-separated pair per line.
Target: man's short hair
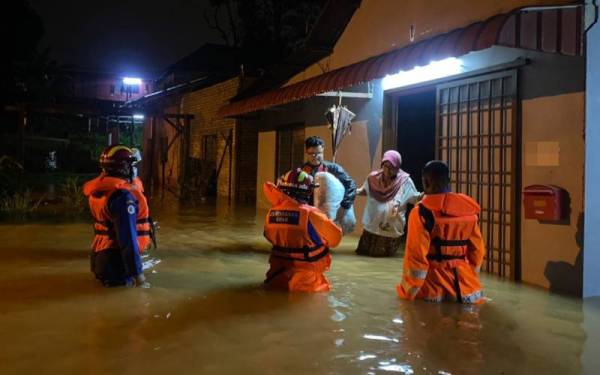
x,y
438,171
314,141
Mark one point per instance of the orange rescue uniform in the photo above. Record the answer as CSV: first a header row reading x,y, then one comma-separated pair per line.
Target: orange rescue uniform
x,y
444,250
301,236
98,192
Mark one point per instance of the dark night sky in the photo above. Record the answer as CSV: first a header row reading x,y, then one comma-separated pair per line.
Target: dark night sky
x,y
129,37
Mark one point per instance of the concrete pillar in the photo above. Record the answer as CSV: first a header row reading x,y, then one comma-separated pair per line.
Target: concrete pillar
x,y
591,250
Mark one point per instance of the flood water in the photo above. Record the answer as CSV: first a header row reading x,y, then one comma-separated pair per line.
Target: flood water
x,y
206,312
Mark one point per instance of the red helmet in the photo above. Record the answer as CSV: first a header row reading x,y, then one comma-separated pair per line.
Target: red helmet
x,y
117,158
297,184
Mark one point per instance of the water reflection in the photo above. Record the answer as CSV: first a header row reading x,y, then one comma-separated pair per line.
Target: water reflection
x,y
208,313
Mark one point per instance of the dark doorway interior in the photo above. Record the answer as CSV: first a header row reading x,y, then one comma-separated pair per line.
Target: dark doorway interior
x,y
416,132
290,148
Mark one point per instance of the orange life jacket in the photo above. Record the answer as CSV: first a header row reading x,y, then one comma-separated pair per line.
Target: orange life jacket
x,y
288,228
450,230
444,250
98,192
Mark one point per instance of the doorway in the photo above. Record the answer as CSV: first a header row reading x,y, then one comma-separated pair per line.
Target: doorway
x,y
416,132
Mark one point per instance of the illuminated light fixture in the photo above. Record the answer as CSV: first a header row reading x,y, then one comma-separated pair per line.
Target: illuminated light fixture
x,y
132,81
434,70
138,117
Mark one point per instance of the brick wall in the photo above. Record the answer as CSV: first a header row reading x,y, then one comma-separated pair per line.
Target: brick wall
x,y
238,166
204,104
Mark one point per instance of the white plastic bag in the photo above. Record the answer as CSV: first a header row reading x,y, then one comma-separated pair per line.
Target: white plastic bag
x,y
346,219
328,197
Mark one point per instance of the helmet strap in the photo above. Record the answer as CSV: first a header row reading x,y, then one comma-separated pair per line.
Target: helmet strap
x,y
130,172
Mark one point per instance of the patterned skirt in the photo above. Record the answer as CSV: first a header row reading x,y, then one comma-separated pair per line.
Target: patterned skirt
x,y
378,246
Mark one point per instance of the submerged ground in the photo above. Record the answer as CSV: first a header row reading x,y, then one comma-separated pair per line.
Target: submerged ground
x,y
206,312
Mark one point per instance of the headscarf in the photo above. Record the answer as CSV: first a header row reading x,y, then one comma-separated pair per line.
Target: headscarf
x,y
383,188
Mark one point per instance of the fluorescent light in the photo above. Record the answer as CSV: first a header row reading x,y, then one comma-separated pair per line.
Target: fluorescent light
x,y
434,70
138,117
132,81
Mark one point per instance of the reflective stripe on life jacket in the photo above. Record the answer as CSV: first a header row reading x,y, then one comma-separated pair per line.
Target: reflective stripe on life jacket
x,y
98,192
108,229
305,254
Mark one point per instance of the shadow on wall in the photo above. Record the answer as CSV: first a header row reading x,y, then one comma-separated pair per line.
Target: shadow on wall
x,y
565,277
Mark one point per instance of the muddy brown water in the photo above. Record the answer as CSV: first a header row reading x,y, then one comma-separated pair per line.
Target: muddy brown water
x,y
206,312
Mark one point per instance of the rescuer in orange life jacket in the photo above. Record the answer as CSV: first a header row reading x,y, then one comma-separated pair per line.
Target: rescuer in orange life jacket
x,y
122,225
301,235
444,248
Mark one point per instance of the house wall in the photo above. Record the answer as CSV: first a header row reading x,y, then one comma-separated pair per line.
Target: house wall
x,y
553,153
379,26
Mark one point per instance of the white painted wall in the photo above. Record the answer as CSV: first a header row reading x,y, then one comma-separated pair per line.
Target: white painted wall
x,y
591,252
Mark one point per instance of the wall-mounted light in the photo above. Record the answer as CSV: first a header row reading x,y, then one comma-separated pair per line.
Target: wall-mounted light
x,y
132,81
429,72
138,117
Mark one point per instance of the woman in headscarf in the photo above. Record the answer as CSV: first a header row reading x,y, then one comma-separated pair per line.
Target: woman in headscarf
x,y
388,192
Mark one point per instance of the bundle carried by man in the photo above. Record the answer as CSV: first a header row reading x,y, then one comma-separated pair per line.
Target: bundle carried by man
x,y
328,196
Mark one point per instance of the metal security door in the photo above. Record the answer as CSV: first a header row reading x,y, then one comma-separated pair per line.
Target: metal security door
x,y
477,134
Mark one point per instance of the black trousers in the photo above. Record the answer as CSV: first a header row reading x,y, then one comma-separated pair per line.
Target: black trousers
x,y
109,268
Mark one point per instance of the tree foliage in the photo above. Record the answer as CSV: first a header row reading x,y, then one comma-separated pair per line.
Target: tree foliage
x,y
26,70
267,28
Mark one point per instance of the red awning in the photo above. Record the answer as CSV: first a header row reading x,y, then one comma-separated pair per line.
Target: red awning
x,y
555,30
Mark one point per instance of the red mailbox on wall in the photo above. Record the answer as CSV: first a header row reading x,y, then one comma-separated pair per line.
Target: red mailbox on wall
x,y
544,202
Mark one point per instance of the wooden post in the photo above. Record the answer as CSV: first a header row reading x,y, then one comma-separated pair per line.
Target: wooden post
x,y
151,155
230,140
164,149
187,139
